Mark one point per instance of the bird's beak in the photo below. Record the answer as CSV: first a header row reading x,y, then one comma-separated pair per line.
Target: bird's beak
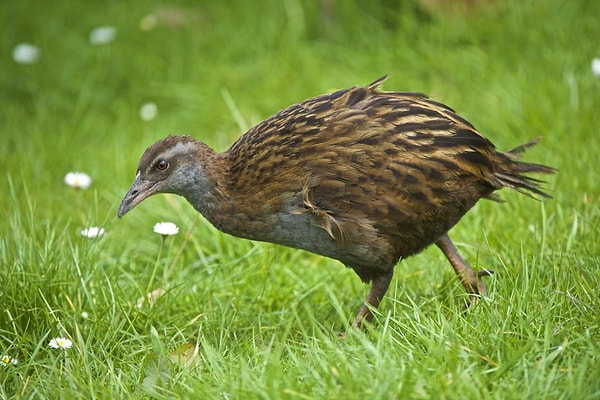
x,y
138,191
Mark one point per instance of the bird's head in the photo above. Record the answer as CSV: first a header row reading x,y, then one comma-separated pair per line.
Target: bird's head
x,y
174,164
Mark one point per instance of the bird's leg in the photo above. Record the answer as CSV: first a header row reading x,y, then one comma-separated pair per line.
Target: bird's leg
x,y
378,288
470,279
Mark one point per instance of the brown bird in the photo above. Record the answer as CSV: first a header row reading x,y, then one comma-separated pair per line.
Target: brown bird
x,y
359,175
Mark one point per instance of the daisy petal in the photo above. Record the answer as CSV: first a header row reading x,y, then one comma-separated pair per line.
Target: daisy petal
x,y
25,53
79,180
92,232
103,35
596,67
148,111
60,343
166,228
7,360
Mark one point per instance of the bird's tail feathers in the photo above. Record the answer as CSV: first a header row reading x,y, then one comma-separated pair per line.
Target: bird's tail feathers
x,y
516,173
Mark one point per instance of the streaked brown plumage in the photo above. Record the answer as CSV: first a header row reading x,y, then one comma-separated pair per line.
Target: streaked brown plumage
x,y
359,175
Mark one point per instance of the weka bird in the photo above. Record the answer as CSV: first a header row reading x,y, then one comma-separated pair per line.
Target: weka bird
x,y
359,175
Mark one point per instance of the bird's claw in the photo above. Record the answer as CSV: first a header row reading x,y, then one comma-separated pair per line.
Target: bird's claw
x,y
477,287
485,272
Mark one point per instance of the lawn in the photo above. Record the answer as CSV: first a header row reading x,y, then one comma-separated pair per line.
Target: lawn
x,y
201,314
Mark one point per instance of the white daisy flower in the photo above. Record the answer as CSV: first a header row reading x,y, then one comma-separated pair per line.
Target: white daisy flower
x,y
166,228
150,298
25,53
60,343
92,232
148,22
7,360
596,66
148,111
103,35
79,180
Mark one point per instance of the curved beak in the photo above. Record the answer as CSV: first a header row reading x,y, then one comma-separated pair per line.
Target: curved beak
x,y
138,191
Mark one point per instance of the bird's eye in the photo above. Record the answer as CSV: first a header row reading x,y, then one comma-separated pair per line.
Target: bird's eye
x,y
162,165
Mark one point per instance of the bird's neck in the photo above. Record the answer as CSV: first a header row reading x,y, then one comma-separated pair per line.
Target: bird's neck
x,y
212,190
208,184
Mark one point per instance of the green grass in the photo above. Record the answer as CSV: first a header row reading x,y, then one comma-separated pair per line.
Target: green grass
x,y
262,319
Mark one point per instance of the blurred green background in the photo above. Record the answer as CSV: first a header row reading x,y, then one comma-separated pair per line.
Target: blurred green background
x,y
267,317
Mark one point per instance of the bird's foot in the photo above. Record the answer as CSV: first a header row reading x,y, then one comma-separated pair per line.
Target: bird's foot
x,y
473,282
